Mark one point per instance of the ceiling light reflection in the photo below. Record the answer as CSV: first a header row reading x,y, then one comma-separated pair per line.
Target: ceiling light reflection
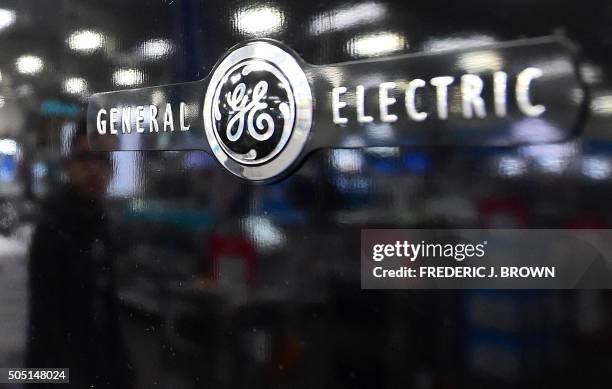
x,y
480,61
85,41
128,77
75,85
258,20
347,17
377,44
156,48
7,18
29,64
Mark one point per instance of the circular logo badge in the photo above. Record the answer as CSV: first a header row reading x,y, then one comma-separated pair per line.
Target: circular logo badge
x,y
258,111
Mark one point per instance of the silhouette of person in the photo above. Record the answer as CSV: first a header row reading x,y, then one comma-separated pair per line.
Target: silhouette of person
x,y
73,319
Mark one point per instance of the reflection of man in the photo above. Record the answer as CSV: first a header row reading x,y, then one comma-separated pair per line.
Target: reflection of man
x,y
73,317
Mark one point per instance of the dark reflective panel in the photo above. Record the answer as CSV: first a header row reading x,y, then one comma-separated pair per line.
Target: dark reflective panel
x,y
141,269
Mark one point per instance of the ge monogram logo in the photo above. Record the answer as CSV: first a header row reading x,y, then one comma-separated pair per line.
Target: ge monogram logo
x,y
258,111
253,111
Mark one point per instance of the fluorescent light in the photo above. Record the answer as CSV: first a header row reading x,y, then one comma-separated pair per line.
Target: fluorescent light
x,y
29,64
379,43
259,20
156,48
85,41
7,18
75,85
128,77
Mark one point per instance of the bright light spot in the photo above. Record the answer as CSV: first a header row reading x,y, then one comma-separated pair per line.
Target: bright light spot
x,y
347,161
259,20
75,85
29,64
480,61
2,101
551,158
347,17
602,104
7,18
156,48
85,41
377,44
264,234
128,77
511,166
8,147
596,168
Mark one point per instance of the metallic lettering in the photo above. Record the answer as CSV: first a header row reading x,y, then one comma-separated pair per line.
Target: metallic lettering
x,y
500,82
113,120
410,100
139,119
101,123
441,84
153,119
126,114
471,99
182,117
337,104
168,121
523,84
384,101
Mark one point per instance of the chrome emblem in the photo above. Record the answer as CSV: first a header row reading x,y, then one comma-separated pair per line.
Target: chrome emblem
x,y
263,109
257,117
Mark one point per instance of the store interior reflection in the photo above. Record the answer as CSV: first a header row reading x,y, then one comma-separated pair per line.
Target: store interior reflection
x,y
164,270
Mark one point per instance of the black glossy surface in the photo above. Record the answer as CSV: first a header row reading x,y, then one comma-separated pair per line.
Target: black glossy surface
x,y
287,310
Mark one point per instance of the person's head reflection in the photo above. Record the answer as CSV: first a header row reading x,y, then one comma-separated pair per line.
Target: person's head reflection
x,y
88,171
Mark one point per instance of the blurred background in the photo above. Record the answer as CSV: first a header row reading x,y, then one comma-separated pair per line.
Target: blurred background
x,y
163,270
